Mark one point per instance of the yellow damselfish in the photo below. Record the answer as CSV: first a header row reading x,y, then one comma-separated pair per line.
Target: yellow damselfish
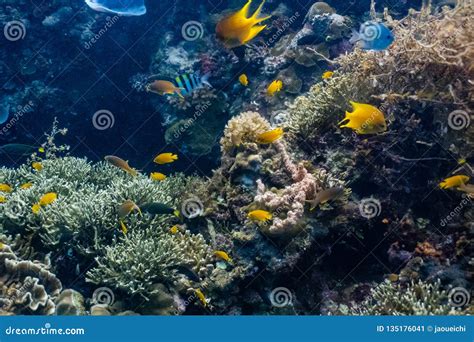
x,y
327,75
260,215
37,166
165,158
157,176
174,229
5,188
365,119
201,297
223,255
238,28
26,186
36,208
454,182
123,227
243,79
3,199
270,136
48,198
274,87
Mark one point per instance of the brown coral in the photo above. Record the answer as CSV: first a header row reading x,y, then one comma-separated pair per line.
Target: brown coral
x,y
26,286
243,129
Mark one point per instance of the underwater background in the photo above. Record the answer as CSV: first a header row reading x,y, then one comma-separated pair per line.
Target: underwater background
x,y
236,157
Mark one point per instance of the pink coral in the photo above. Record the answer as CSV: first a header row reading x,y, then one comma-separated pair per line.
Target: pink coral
x,y
291,199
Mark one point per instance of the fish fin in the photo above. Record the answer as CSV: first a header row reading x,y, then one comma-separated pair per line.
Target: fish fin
x,y
255,17
355,37
205,80
252,33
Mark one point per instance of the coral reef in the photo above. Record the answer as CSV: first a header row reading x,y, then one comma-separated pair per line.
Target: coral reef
x,y
27,287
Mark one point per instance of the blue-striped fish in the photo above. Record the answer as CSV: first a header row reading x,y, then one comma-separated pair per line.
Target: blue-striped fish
x,y
188,83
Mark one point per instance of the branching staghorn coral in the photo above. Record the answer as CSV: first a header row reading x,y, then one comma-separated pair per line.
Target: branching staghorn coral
x,y
147,256
26,287
416,299
84,216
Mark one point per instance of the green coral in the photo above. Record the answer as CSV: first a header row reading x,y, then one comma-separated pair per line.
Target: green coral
x,y
85,214
146,257
420,298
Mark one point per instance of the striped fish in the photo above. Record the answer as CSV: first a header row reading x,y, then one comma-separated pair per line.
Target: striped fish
x,y
190,82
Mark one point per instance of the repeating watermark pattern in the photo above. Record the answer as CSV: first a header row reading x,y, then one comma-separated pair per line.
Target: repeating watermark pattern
x,y
281,30
15,209
103,119
103,296
370,31
192,208
370,208
459,120
199,111
21,110
14,30
110,21
456,211
192,31
459,297
281,297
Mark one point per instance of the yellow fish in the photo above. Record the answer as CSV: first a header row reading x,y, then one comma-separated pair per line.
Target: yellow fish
x,y
156,176
201,297
5,188
365,119
224,256
121,164
260,215
26,186
123,227
36,208
270,136
127,207
454,182
165,158
37,166
238,28
174,229
3,199
327,75
243,79
48,198
274,87
41,150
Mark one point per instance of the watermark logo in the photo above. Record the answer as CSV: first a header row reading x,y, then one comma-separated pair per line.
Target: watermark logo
x,y
281,297
459,120
14,30
459,297
370,31
370,208
103,119
192,31
110,21
103,296
192,208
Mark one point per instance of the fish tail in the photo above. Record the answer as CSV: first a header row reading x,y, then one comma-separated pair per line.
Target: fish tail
x,y
205,80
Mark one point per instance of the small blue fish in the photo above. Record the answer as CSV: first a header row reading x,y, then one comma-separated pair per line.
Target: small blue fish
x,y
191,82
373,36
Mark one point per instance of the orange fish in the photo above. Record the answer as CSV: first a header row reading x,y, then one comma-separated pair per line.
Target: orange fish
x,y
270,136
161,87
121,164
238,28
